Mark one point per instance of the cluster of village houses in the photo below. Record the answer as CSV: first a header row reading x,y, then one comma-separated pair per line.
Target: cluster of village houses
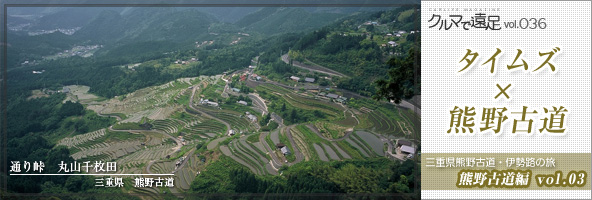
x,y
78,51
63,90
306,79
334,97
182,62
198,44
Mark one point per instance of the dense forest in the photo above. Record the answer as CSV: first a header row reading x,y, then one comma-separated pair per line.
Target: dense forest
x,y
375,175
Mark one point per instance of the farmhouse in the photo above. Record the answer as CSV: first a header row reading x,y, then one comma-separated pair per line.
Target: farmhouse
x,y
253,118
235,89
244,103
285,151
279,145
295,78
341,99
66,90
332,96
310,80
208,102
231,133
403,143
392,43
407,149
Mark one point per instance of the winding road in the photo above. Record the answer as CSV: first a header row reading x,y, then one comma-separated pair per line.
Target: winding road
x,y
297,153
317,68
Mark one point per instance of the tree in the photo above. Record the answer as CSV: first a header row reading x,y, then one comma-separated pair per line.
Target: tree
x,y
294,115
400,84
296,55
70,108
283,107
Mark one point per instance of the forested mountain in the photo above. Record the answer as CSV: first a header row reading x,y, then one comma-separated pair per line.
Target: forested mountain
x,y
273,20
146,24
24,47
70,17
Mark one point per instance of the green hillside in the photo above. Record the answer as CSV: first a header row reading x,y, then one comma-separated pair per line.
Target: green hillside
x,y
274,20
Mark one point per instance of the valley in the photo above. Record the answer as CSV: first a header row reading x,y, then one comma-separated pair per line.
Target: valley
x,y
265,104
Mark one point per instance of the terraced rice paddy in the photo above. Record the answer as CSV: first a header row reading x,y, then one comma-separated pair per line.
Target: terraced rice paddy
x,y
349,121
111,150
347,132
152,102
248,157
274,136
234,118
168,126
145,155
340,151
330,130
320,152
305,148
357,147
330,152
206,129
215,142
374,142
313,104
163,167
413,122
81,139
377,121
303,102
187,174
148,192
228,152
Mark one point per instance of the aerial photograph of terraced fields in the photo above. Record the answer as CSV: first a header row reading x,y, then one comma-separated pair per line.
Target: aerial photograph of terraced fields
x,y
228,102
